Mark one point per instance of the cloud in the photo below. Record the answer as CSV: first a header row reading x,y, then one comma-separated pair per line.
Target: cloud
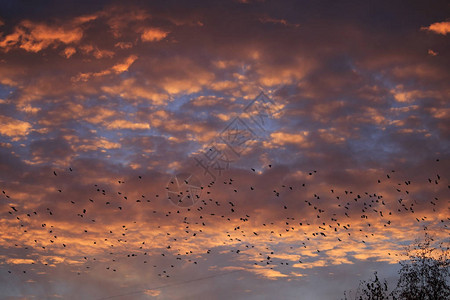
x,y
438,27
123,45
432,53
115,69
123,67
98,143
100,115
68,52
34,37
96,52
131,89
269,273
124,124
84,19
14,128
283,138
114,104
120,18
153,293
267,19
153,34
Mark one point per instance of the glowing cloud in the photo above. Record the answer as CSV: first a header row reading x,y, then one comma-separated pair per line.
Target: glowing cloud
x,y
12,127
438,27
153,34
34,37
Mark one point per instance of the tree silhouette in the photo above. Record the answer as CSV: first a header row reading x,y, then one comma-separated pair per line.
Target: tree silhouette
x,y
424,276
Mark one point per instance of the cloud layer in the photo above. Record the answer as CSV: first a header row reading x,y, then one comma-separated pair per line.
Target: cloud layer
x,y
100,105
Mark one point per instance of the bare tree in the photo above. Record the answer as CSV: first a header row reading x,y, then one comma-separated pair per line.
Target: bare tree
x,y
371,289
424,276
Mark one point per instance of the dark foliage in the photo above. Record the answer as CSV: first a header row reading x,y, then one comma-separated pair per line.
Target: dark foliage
x,y
423,276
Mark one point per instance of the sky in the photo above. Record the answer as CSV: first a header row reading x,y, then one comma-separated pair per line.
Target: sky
x,y
219,149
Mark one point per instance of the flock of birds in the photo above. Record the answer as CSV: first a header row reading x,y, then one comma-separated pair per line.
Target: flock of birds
x,y
295,213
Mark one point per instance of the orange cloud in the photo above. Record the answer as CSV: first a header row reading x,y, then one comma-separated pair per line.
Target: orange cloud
x,y
84,19
96,52
224,85
282,138
153,34
409,96
117,69
268,273
34,37
438,27
93,145
100,114
19,261
123,45
152,293
68,52
331,135
124,124
130,89
29,109
272,75
12,127
122,67
432,53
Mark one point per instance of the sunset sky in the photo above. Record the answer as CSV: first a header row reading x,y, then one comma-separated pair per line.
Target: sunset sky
x,y
310,141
